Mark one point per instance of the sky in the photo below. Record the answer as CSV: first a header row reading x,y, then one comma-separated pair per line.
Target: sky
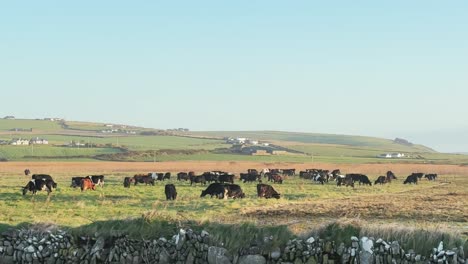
x,y
375,68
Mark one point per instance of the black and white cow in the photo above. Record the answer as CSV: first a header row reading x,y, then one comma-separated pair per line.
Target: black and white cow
x,y
36,185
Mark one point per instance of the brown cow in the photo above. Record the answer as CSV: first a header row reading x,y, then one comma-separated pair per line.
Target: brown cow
x,y
87,183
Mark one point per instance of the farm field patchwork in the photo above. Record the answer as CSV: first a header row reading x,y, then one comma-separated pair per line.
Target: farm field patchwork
x,y
303,203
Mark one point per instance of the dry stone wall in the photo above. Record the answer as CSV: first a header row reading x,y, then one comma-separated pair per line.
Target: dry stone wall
x,y
189,247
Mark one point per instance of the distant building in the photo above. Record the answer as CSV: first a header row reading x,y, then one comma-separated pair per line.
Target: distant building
x,y
19,142
391,155
53,119
38,141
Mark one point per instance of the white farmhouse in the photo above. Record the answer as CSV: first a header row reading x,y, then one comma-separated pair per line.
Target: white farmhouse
x,y
19,142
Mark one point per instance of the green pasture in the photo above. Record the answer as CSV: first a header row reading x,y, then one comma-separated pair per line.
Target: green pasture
x,y
70,207
142,211
86,126
347,140
42,125
43,151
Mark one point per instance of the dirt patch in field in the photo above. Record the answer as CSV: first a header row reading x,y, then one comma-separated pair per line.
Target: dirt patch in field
x,y
435,204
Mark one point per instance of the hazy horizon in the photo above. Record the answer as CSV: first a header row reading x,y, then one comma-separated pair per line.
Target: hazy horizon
x,y
395,69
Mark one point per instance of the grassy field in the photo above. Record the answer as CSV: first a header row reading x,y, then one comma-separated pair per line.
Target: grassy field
x,y
315,147
50,152
36,125
316,138
303,203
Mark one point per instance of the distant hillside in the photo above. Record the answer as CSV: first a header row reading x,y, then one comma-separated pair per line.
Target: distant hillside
x,y
74,140
288,138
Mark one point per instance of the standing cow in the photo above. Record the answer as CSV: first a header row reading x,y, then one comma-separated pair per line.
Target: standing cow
x,y
170,191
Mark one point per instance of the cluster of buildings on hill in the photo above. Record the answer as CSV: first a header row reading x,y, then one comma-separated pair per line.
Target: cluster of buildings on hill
x,y
391,155
23,142
10,117
253,147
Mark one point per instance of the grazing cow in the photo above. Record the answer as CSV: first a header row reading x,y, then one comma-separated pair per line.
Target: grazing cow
x,y
363,179
247,177
127,182
170,191
390,176
267,191
97,179
167,176
210,176
214,189
86,184
76,181
418,174
276,178
335,173
233,191
344,180
289,172
252,171
182,176
413,178
27,172
197,179
381,180
431,176
38,185
47,178
226,177
41,176
143,178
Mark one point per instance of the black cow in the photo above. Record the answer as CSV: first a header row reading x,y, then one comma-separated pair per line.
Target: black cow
x,y
170,191
233,190
210,176
289,172
390,176
247,177
343,180
276,178
413,178
214,189
127,182
167,176
267,191
252,171
226,177
182,176
431,176
97,179
76,181
41,177
38,185
143,178
363,179
27,172
381,180
197,179
418,174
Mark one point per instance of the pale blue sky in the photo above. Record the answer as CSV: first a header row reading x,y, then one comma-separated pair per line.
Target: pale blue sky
x,y
393,69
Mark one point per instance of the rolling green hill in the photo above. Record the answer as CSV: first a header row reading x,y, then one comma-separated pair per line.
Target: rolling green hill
x,y
146,144
295,138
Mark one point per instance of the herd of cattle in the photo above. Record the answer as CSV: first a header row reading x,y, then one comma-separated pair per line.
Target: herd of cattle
x,y
222,183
